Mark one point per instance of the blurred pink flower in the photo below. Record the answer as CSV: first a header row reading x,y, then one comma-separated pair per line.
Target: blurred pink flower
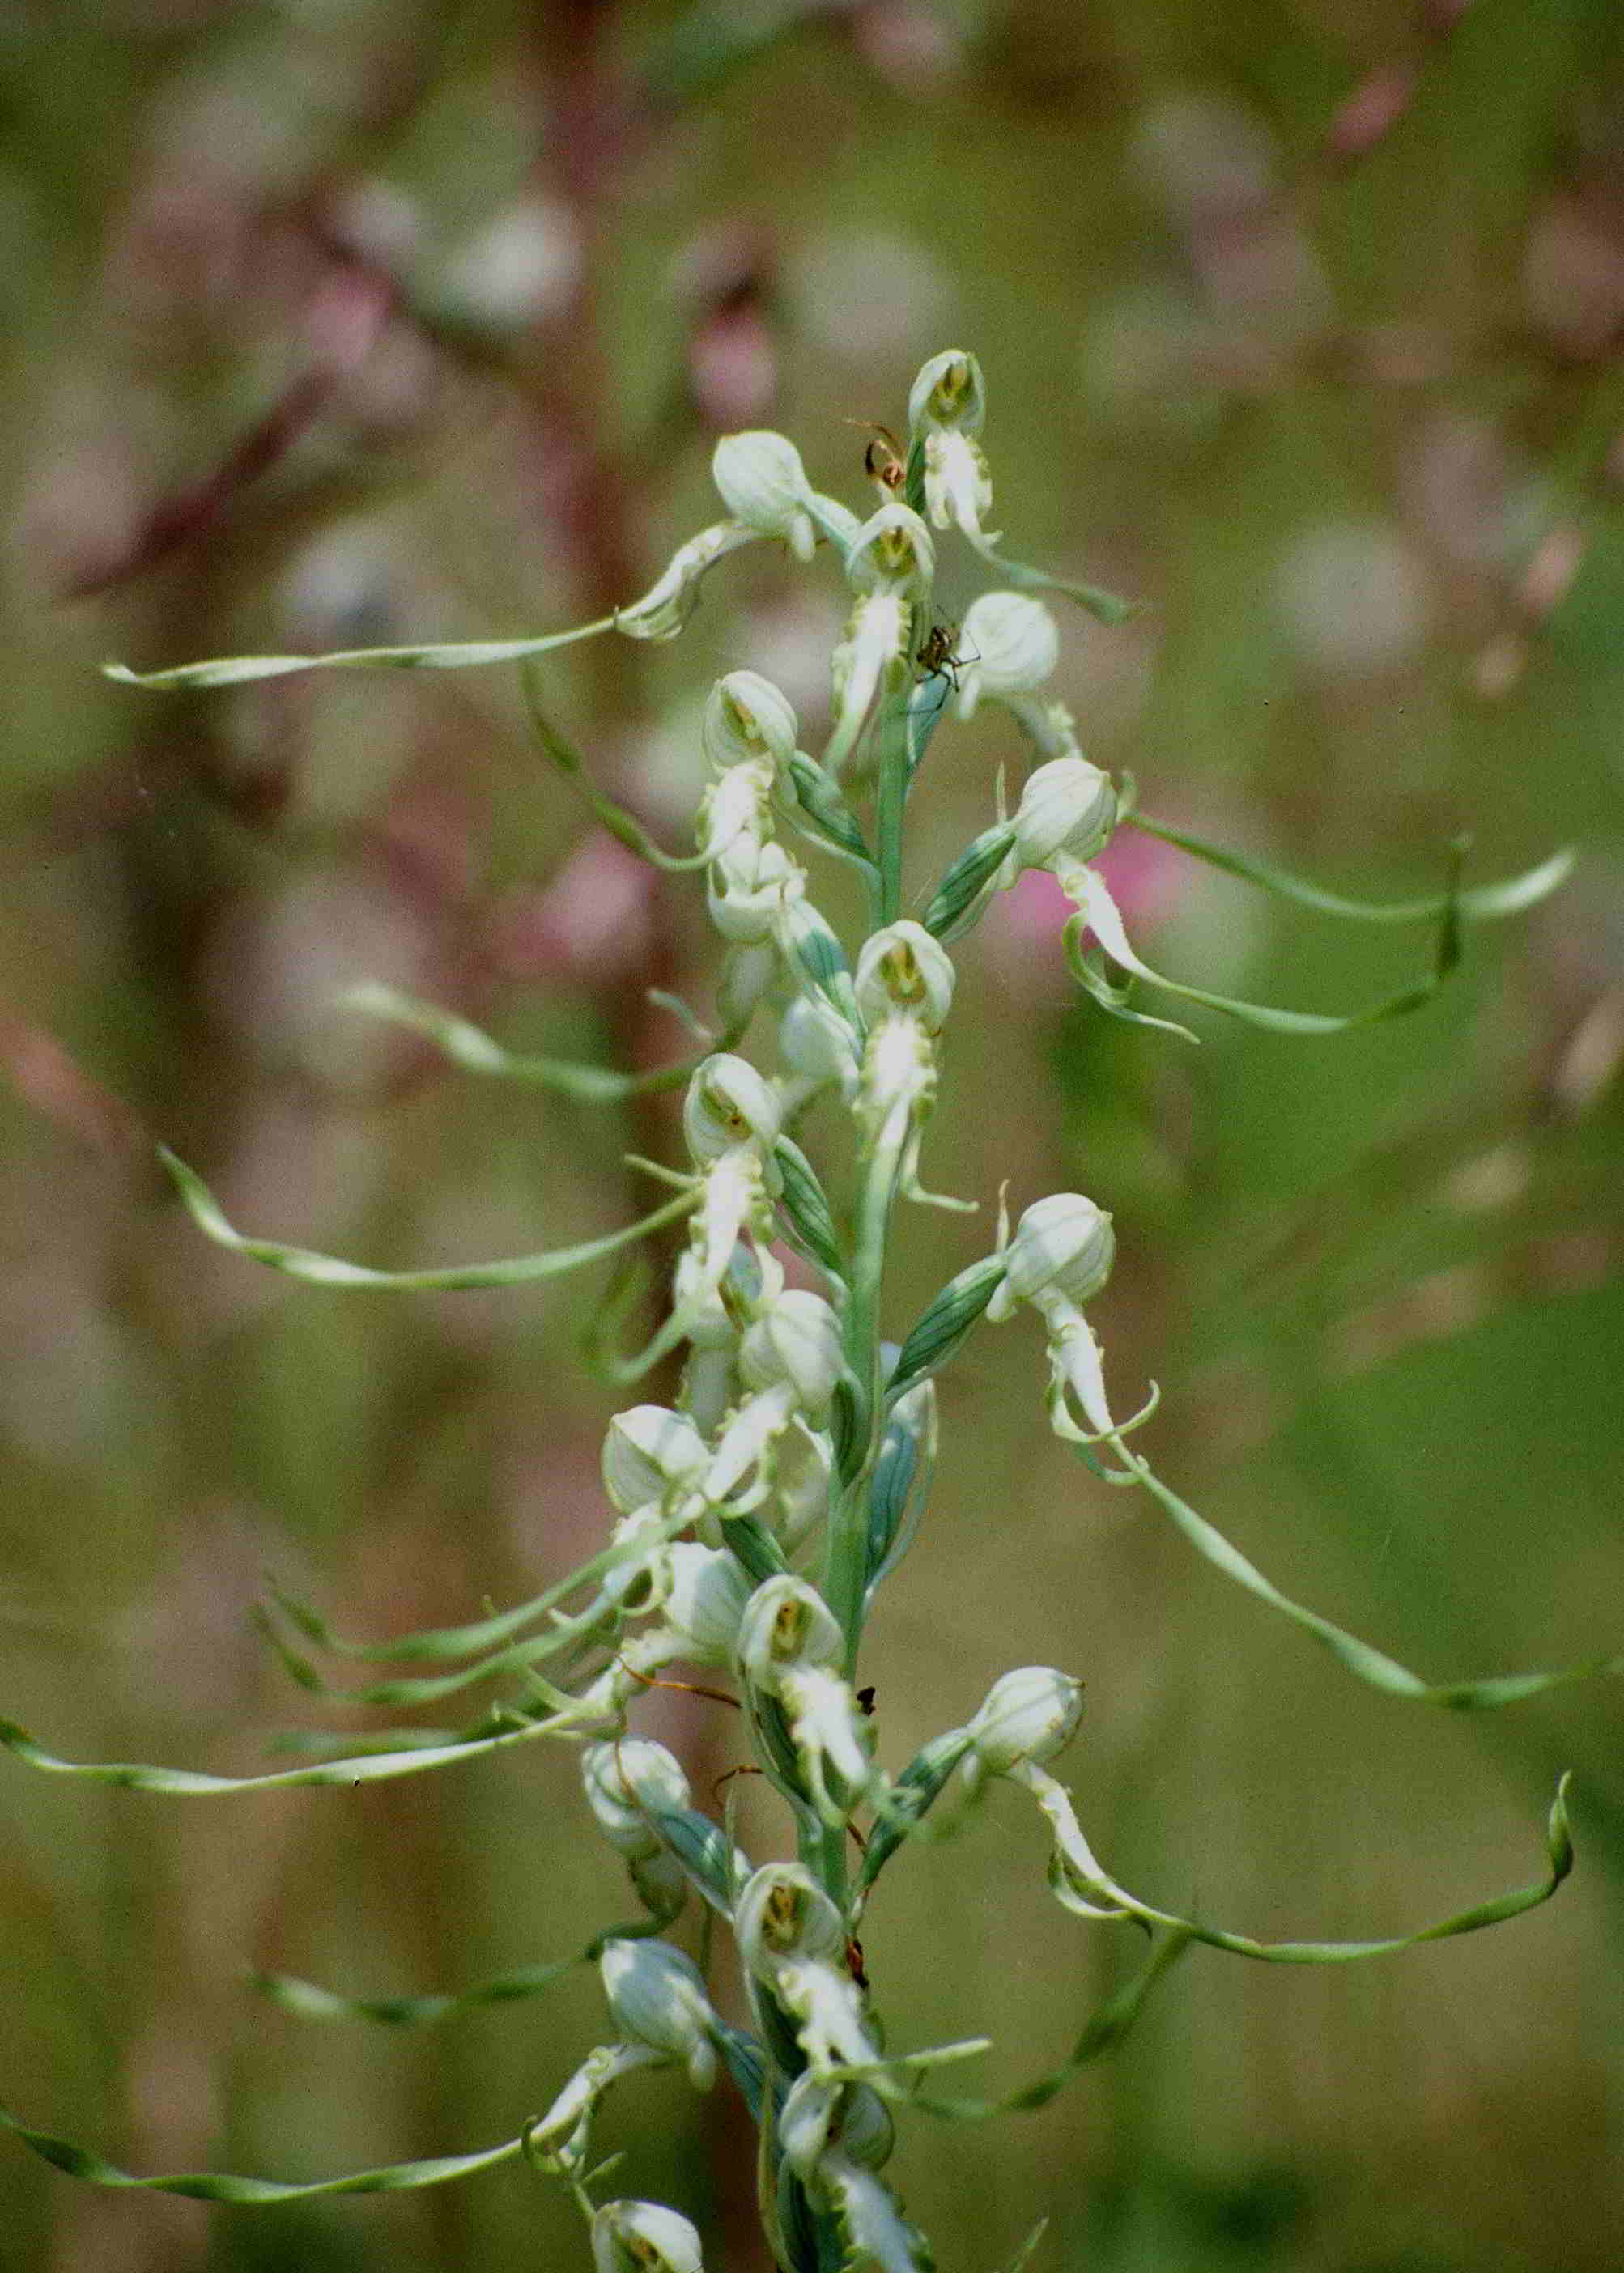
x,y
590,926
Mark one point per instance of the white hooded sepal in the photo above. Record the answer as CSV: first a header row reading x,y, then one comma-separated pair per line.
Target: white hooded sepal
x,y
786,1625
892,552
746,719
1067,807
1009,644
729,1105
653,1456
644,2237
624,1783
1064,1245
1030,1714
782,1912
795,1338
658,1999
902,971
762,483
949,393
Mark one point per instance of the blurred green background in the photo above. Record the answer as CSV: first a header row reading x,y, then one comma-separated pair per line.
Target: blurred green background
x,y
343,321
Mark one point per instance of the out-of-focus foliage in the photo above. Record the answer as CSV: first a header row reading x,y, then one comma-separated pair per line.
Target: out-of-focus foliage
x,y
344,321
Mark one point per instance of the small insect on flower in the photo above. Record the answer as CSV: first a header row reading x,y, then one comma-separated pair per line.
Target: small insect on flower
x,y
938,656
883,461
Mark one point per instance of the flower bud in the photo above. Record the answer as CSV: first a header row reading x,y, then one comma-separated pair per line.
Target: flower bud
x,y
903,969
891,553
1029,1714
815,1043
1009,644
784,1913
797,1339
763,484
950,392
1064,1243
624,1781
658,1999
748,889
641,2237
704,1601
746,717
650,1454
1067,805
728,1104
786,1624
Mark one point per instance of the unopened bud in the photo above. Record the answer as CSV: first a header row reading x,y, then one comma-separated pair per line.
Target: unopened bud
x,y
705,1600
651,1452
764,484
658,1999
1067,805
1064,1243
745,717
797,1339
1029,1714
1009,644
624,1783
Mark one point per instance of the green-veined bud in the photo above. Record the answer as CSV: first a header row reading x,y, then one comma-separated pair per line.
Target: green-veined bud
x,y
903,969
786,1622
950,392
763,484
642,2237
728,1104
784,1913
806,940
705,1599
958,482
893,553
651,1453
1009,644
1067,805
746,717
659,1998
959,900
804,1202
623,1781
947,1320
1029,1714
1064,1243
663,609
796,1339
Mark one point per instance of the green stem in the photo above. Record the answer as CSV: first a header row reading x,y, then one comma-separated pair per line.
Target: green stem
x,y
891,730
846,1570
